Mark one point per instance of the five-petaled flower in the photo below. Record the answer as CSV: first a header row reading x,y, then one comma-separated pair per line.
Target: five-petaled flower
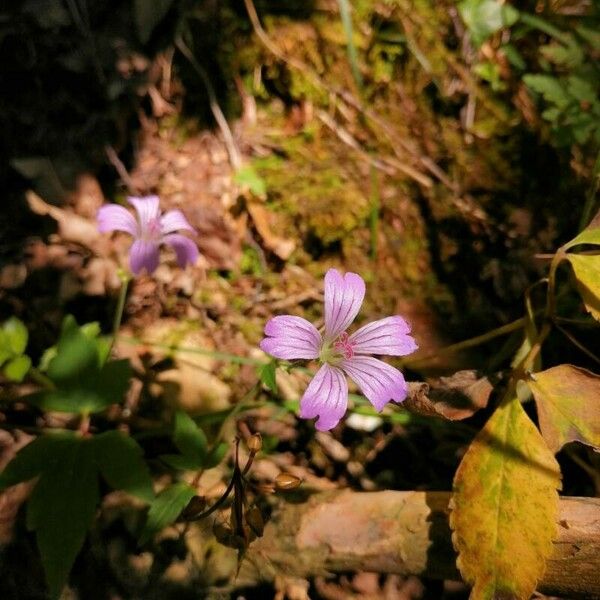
x,y
150,230
326,396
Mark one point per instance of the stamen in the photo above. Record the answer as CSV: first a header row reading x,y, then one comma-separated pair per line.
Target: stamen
x,y
343,346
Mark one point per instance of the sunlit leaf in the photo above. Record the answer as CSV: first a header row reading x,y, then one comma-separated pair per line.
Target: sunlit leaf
x,y
484,17
249,178
590,235
121,463
166,508
16,368
16,335
587,273
505,506
568,405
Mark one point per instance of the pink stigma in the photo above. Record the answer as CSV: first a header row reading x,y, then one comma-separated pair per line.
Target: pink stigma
x,y
343,346
153,228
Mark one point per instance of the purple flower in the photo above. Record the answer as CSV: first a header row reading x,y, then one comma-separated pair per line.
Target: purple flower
x,y
150,230
326,397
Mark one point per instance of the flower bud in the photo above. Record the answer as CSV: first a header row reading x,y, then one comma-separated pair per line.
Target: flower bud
x,y
287,481
254,443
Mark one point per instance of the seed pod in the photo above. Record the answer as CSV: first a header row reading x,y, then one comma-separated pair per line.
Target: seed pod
x,y
254,443
255,520
287,481
222,533
195,506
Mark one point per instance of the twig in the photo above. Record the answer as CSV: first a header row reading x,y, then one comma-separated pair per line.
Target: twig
x,y
232,150
116,162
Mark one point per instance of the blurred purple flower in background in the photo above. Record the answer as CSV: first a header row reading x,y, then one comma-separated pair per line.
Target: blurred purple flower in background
x,y
150,230
290,337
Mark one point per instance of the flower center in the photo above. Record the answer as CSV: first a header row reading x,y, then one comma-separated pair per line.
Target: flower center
x,y
152,230
344,346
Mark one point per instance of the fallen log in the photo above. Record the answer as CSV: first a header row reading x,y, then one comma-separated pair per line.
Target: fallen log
x,y
406,533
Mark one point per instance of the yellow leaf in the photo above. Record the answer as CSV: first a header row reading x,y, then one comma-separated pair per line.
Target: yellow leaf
x,y
504,506
587,272
568,405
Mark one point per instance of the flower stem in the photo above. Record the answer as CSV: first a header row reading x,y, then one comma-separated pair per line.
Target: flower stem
x,y
125,278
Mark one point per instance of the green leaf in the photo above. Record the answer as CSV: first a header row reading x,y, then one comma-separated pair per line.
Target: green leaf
x,y
29,461
267,375
505,506
121,463
587,273
484,17
568,405
188,437
166,508
92,392
215,456
590,235
16,335
76,355
17,368
182,462
62,506
249,178
549,87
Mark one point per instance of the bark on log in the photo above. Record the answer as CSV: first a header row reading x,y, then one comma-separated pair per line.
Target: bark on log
x,y
406,533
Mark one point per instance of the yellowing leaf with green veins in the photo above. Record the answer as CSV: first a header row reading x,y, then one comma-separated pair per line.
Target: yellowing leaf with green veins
x,y
568,405
505,506
587,273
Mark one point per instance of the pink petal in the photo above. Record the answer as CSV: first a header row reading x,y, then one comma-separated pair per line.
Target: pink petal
x,y
326,397
343,298
174,220
185,248
143,255
386,336
378,381
112,217
290,338
147,209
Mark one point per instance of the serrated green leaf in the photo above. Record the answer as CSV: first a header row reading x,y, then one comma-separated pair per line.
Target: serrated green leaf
x,y
188,437
248,177
568,405
62,506
16,368
121,463
166,508
16,335
268,376
587,274
505,506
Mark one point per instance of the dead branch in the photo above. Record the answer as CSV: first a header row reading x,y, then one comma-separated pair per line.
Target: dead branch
x,y
405,533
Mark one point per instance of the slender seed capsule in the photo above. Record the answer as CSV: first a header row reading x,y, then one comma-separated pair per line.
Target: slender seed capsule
x,y
287,481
